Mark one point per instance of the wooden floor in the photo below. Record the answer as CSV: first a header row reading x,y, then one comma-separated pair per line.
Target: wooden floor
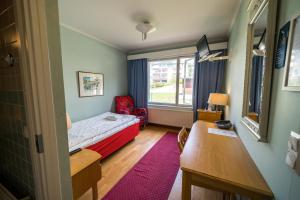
x,y
118,164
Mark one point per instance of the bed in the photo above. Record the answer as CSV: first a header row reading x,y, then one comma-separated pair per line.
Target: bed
x,y
104,133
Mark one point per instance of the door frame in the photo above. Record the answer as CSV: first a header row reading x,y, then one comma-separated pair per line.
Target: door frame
x,y
41,116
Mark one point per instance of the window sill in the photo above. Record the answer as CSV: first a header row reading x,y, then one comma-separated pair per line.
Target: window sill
x,y
171,107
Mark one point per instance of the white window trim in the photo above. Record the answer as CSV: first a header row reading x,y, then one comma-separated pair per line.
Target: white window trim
x,y
169,106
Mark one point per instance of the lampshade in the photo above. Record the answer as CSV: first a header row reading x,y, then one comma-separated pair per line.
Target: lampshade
x,y
145,27
69,123
218,99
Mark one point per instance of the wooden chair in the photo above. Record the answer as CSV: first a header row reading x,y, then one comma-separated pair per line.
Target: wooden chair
x,y
182,138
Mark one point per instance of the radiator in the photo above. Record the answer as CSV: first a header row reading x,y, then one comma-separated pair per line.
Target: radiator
x,y
177,118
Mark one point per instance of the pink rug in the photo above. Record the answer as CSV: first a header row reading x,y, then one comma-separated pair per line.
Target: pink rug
x,y
153,176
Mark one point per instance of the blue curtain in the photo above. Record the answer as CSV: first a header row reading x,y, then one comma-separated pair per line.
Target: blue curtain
x,y
137,82
256,83
208,78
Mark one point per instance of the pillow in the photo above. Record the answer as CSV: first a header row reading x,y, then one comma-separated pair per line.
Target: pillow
x,y
111,118
69,122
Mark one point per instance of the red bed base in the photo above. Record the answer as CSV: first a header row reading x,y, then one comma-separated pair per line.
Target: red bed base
x,y
116,141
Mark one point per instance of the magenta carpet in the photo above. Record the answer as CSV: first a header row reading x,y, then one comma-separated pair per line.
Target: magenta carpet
x,y
153,176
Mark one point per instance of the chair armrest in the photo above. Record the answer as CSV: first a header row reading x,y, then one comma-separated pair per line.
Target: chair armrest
x,y
140,111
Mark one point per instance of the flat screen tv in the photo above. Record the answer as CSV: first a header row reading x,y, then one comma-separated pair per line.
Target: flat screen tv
x,y
202,47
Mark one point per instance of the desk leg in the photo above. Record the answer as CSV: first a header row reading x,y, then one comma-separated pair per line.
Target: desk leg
x,y
186,186
95,191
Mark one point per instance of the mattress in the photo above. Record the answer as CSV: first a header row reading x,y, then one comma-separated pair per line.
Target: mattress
x,y
92,130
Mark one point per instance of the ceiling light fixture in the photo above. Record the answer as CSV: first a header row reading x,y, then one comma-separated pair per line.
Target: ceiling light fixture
x,y
145,27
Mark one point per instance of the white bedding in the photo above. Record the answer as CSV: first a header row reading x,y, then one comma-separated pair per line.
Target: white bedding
x,y
90,131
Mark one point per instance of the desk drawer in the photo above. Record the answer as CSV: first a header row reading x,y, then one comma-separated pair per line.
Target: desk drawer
x,y
209,116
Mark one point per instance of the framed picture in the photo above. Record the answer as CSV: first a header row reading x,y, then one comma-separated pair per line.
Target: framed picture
x,y
291,79
90,84
282,46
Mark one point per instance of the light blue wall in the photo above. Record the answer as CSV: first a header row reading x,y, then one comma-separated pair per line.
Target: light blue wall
x,y
80,53
284,114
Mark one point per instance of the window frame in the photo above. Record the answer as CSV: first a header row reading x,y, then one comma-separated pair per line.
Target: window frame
x,y
176,105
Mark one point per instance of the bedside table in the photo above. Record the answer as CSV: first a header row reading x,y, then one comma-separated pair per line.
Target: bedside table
x,y
85,171
209,116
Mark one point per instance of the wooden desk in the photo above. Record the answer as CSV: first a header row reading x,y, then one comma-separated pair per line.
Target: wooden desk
x,y
85,172
220,163
209,116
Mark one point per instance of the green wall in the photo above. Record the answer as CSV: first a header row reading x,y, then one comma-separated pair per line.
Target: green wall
x,y
80,53
284,113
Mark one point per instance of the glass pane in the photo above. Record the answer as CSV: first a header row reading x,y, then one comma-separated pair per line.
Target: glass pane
x,y
258,65
163,81
186,79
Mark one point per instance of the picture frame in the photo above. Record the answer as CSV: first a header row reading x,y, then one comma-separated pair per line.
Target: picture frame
x,y
291,79
90,84
282,46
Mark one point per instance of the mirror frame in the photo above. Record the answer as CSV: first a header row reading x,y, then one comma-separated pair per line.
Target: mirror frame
x,y
255,9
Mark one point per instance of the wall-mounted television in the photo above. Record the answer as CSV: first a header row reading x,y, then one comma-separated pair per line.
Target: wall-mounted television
x,y
202,47
205,54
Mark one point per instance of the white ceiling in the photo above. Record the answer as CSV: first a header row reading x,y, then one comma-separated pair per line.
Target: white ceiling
x,y
178,22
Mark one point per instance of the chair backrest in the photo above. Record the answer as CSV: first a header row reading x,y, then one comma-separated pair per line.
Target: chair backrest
x,y
182,138
124,103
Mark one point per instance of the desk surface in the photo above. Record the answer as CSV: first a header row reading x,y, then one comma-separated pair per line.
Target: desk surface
x,y
82,159
221,158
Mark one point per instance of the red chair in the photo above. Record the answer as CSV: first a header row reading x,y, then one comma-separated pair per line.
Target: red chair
x,y
125,105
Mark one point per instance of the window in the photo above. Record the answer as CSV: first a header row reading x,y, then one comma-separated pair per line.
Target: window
x,y
163,81
171,81
186,78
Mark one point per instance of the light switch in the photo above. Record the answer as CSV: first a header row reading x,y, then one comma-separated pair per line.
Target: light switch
x,y
293,141
293,158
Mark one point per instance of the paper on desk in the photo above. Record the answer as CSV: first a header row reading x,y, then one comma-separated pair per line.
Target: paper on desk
x,y
222,132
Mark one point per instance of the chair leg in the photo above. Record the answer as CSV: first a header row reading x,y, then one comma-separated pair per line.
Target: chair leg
x,y
224,196
228,196
142,127
232,197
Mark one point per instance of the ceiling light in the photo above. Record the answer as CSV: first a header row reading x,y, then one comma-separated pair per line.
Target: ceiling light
x,y
145,27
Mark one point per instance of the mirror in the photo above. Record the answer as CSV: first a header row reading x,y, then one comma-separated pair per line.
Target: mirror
x,y
260,45
258,55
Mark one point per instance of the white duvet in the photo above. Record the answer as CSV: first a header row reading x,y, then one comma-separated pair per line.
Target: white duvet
x,y
90,131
